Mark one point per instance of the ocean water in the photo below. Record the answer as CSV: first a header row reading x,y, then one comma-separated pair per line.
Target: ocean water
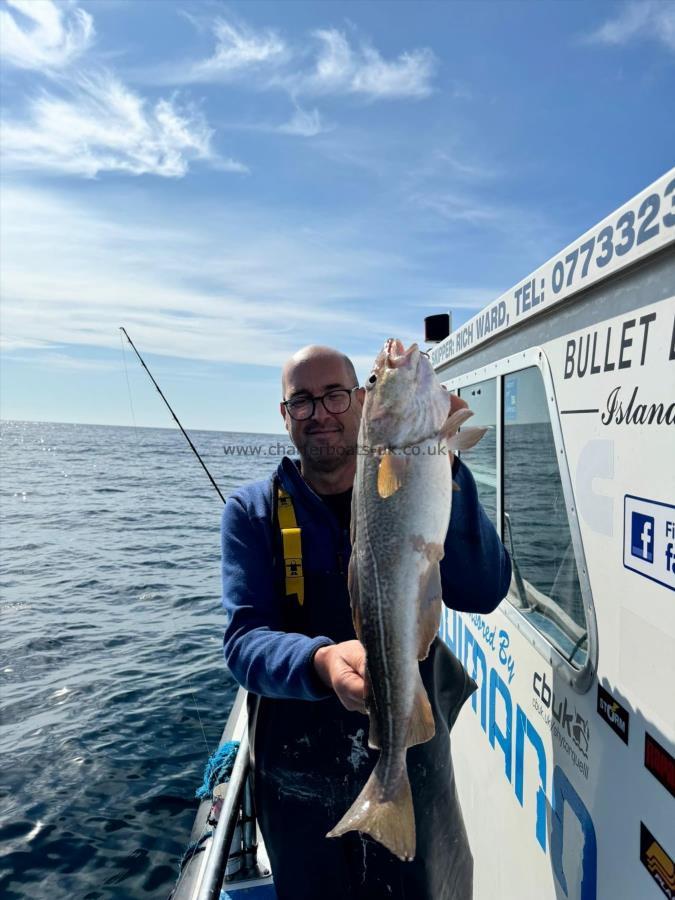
x,y
113,687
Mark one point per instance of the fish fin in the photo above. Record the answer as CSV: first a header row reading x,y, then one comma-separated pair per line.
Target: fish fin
x,y
390,474
422,726
456,439
467,438
454,422
429,611
388,817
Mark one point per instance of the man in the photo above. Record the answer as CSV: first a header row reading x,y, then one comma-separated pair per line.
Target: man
x,y
309,741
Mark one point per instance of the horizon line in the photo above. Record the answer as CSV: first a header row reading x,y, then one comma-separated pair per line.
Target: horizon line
x,y
4,421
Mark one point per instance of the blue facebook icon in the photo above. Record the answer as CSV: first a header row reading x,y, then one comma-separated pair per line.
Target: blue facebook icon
x,y
642,537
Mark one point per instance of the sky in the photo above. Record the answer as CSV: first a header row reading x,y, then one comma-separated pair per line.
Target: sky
x,y
232,181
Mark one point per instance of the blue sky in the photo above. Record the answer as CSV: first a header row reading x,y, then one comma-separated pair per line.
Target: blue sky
x,y
231,181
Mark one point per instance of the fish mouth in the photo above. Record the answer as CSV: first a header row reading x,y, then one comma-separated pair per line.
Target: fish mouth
x,y
397,355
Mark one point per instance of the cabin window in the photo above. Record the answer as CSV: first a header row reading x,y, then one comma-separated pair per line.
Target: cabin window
x,y
482,459
545,585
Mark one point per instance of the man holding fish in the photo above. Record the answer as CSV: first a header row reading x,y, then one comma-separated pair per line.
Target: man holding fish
x,y
354,785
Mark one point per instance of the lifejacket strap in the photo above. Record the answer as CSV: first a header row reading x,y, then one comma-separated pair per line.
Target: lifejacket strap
x,y
291,537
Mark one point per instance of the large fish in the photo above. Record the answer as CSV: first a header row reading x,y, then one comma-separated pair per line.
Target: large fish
x,y
400,515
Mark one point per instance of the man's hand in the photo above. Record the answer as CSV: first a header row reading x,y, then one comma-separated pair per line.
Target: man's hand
x,y
455,404
342,667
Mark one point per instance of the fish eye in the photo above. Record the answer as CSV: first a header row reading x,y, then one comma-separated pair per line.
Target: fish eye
x,y
371,381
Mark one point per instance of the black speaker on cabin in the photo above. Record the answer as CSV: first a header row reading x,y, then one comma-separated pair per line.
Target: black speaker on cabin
x,y
437,327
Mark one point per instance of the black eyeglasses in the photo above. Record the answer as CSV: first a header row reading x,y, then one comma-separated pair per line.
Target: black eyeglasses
x,y
336,401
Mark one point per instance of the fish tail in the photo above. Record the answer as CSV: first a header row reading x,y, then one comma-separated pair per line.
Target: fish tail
x,y
384,812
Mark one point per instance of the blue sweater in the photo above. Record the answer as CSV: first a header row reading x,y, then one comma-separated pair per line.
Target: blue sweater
x,y
260,652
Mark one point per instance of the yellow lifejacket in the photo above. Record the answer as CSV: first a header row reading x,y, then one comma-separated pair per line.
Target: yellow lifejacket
x,y
291,538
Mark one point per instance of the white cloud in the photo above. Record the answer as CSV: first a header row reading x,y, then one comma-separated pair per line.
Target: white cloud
x,y
332,65
472,170
53,37
239,51
60,360
519,231
647,20
102,126
341,68
226,287
240,47
304,123
459,208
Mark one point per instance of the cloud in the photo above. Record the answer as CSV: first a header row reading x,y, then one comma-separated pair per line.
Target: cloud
x,y
304,123
225,287
238,48
440,168
512,232
343,69
55,37
646,20
331,65
60,360
100,125
460,208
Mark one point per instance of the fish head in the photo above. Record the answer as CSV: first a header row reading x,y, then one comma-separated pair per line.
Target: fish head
x,y
405,402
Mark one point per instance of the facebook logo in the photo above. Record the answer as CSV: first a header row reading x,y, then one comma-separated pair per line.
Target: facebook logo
x,y
649,539
642,537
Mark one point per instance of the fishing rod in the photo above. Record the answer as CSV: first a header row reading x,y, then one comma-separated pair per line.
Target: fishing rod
x,y
175,417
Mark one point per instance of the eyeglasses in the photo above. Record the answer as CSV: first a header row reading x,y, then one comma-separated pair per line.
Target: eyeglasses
x,y
336,401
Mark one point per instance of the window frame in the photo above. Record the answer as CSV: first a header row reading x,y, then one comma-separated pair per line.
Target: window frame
x,y
580,679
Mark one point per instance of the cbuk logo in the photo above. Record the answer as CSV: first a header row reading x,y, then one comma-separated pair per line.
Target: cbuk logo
x,y
573,723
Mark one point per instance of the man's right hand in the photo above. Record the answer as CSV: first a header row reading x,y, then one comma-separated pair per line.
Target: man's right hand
x,y
342,667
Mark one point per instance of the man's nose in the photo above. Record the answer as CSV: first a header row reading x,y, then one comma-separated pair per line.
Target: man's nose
x,y
321,414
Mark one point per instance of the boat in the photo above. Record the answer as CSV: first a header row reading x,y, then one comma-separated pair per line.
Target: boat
x,y
565,754
226,856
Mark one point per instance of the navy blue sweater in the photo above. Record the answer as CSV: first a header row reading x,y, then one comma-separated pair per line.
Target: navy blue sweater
x,y
260,652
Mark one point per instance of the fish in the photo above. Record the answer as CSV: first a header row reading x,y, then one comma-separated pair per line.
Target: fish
x,y
401,505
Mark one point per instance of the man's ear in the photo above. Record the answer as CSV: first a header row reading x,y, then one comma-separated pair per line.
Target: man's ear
x,y
284,415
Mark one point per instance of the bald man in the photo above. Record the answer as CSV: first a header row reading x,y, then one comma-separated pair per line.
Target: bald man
x,y
299,656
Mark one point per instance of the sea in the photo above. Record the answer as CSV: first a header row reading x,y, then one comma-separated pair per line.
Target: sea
x,y
113,688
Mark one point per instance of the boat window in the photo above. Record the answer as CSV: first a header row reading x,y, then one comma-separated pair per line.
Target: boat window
x,y
545,585
482,459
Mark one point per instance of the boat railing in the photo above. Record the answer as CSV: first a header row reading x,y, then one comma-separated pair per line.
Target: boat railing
x,y
238,791
225,851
